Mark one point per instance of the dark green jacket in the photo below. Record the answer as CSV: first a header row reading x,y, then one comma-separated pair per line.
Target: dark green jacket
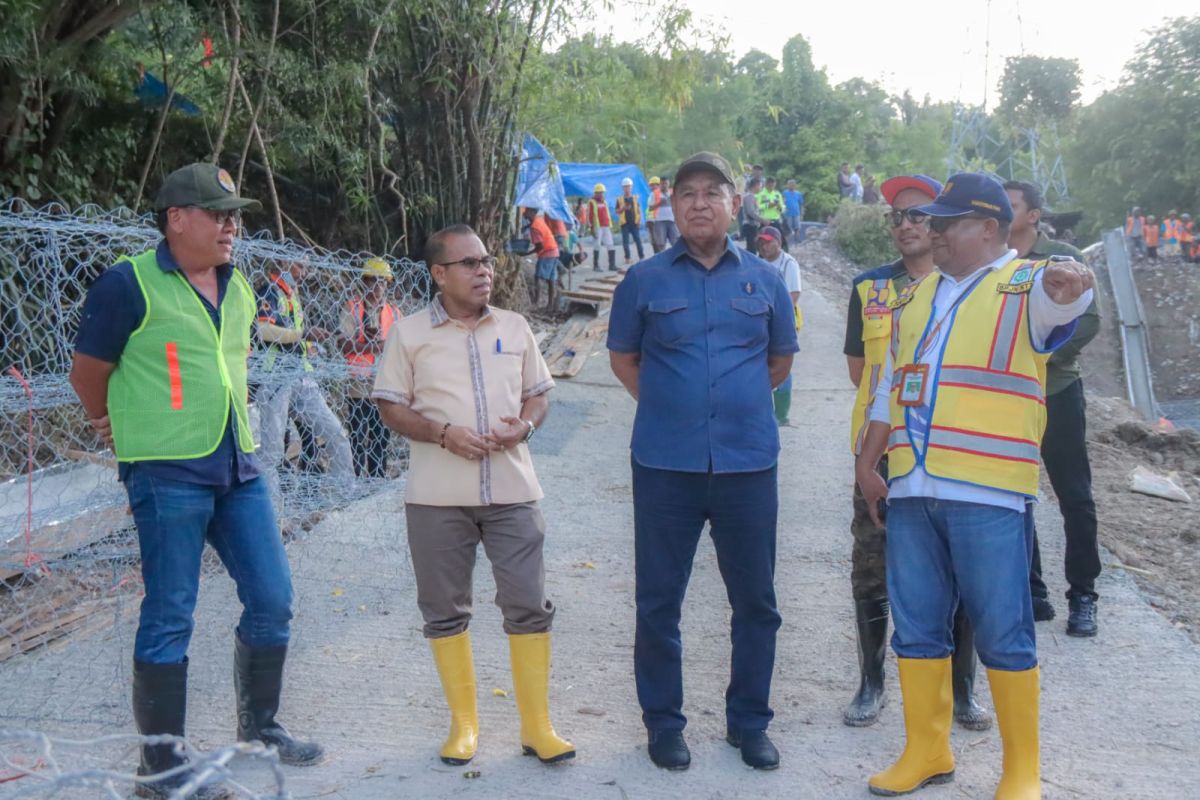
x,y
1063,368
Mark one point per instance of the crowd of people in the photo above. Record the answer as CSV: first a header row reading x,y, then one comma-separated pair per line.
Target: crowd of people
x,y
963,352
1172,237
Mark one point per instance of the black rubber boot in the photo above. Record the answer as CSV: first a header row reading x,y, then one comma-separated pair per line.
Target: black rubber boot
x,y
258,677
596,261
872,623
160,707
612,260
967,711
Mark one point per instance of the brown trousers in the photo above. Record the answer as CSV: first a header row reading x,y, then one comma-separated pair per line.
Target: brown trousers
x,y
443,541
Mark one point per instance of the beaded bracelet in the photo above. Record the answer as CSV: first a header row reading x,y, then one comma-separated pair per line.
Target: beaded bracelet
x,y
442,438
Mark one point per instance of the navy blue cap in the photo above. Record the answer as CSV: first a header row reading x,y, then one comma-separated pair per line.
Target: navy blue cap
x,y
970,193
922,183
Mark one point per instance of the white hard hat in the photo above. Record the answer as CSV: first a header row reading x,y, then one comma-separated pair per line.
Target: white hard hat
x,y
627,181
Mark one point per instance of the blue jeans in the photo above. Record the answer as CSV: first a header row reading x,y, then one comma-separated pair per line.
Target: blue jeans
x,y
174,520
669,512
941,551
631,232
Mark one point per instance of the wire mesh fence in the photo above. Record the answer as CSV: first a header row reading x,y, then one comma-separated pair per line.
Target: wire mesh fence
x,y
68,552
34,765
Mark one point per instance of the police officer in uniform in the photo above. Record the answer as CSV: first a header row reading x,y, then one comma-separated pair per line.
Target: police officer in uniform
x,y
160,368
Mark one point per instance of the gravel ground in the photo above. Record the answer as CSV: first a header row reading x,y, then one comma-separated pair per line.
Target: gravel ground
x,y
1118,711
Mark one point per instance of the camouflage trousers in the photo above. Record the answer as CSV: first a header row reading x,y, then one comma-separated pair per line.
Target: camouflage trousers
x,y
868,559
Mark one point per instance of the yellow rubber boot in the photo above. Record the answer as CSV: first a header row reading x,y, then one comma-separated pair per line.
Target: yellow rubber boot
x,y
1016,697
456,667
531,678
928,712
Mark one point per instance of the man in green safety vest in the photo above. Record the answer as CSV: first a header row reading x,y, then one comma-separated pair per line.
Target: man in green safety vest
x,y
160,368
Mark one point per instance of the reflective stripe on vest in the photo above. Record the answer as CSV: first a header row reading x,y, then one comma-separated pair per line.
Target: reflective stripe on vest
x,y
179,377
361,364
986,411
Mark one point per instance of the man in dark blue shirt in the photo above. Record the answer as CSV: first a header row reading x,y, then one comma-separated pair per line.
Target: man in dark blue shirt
x,y
160,368
700,334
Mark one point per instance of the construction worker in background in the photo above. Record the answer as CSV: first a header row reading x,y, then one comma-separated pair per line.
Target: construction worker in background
x,y
466,383
868,332
1150,232
629,214
659,217
770,250
751,218
770,208
365,322
562,237
959,411
1187,237
1134,224
1169,242
179,426
1064,444
546,248
287,381
598,225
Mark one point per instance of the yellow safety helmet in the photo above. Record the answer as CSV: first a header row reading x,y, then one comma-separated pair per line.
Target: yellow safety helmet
x,y
377,268
599,187
655,181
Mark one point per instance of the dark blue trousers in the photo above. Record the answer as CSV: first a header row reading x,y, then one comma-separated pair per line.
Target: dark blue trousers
x,y
669,512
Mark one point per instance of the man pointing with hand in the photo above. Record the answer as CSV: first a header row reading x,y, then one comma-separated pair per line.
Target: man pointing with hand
x,y
960,410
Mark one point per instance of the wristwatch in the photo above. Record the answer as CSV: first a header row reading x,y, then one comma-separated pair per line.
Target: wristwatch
x,y
532,430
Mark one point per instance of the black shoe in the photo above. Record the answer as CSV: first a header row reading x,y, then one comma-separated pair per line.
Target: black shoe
x,y
872,622
258,678
967,711
668,749
1042,610
1082,619
160,707
756,747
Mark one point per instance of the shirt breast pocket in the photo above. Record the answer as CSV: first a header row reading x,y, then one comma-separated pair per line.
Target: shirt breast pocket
x,y
667,320
750,320
876,327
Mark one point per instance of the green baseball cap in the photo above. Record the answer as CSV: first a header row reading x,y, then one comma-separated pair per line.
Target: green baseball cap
x,y
201,186
707,162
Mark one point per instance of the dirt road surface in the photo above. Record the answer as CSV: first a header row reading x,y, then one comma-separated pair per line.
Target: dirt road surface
x,y
1119,711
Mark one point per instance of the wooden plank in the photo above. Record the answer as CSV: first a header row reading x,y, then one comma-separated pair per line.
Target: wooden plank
x,y
587,297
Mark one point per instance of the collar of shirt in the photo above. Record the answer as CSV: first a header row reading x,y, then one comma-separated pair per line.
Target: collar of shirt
x,y
732,254
955,283
438,315
167,263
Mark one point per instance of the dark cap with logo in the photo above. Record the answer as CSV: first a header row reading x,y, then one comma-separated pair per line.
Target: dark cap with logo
x,y
709,162
971,193
201,186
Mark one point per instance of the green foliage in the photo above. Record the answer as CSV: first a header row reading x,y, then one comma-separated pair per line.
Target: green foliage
x,y
1140,144
863,234
1037,89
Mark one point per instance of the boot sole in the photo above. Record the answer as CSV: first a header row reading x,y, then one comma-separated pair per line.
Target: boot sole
x,y
529,751
456,762
973,723
934,780
1082,634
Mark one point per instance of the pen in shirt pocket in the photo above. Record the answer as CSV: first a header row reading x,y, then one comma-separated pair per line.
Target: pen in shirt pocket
x,y
499,349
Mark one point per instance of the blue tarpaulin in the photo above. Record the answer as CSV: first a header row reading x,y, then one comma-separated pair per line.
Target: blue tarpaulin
x,y
153,92
578,180
538,183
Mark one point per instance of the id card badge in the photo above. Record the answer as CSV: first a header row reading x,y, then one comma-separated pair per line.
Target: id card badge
x,y
913,380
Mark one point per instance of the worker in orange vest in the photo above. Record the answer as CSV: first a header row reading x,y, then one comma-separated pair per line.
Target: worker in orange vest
x,y
1187,237
1150,232
1169,241
365,322
598,226
1135,222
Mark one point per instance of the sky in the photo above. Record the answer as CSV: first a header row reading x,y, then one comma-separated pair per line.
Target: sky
x,y
934,47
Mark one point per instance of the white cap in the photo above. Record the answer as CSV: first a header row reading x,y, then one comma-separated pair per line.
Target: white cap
x,y
627,181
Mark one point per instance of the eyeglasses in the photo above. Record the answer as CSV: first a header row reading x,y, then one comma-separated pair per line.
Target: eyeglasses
x,y
943,224
472,263
897,216
222,217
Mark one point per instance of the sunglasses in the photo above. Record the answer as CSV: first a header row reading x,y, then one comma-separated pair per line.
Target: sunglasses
x,y
223,217
943,224
472,263
896,217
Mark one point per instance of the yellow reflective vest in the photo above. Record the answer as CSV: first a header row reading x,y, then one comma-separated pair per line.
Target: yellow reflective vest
x,y
874,300
986,401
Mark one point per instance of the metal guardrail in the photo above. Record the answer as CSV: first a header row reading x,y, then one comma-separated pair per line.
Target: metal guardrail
x,y
1131,319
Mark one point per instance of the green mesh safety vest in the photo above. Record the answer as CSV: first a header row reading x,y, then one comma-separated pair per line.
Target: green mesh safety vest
x,y
170,394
